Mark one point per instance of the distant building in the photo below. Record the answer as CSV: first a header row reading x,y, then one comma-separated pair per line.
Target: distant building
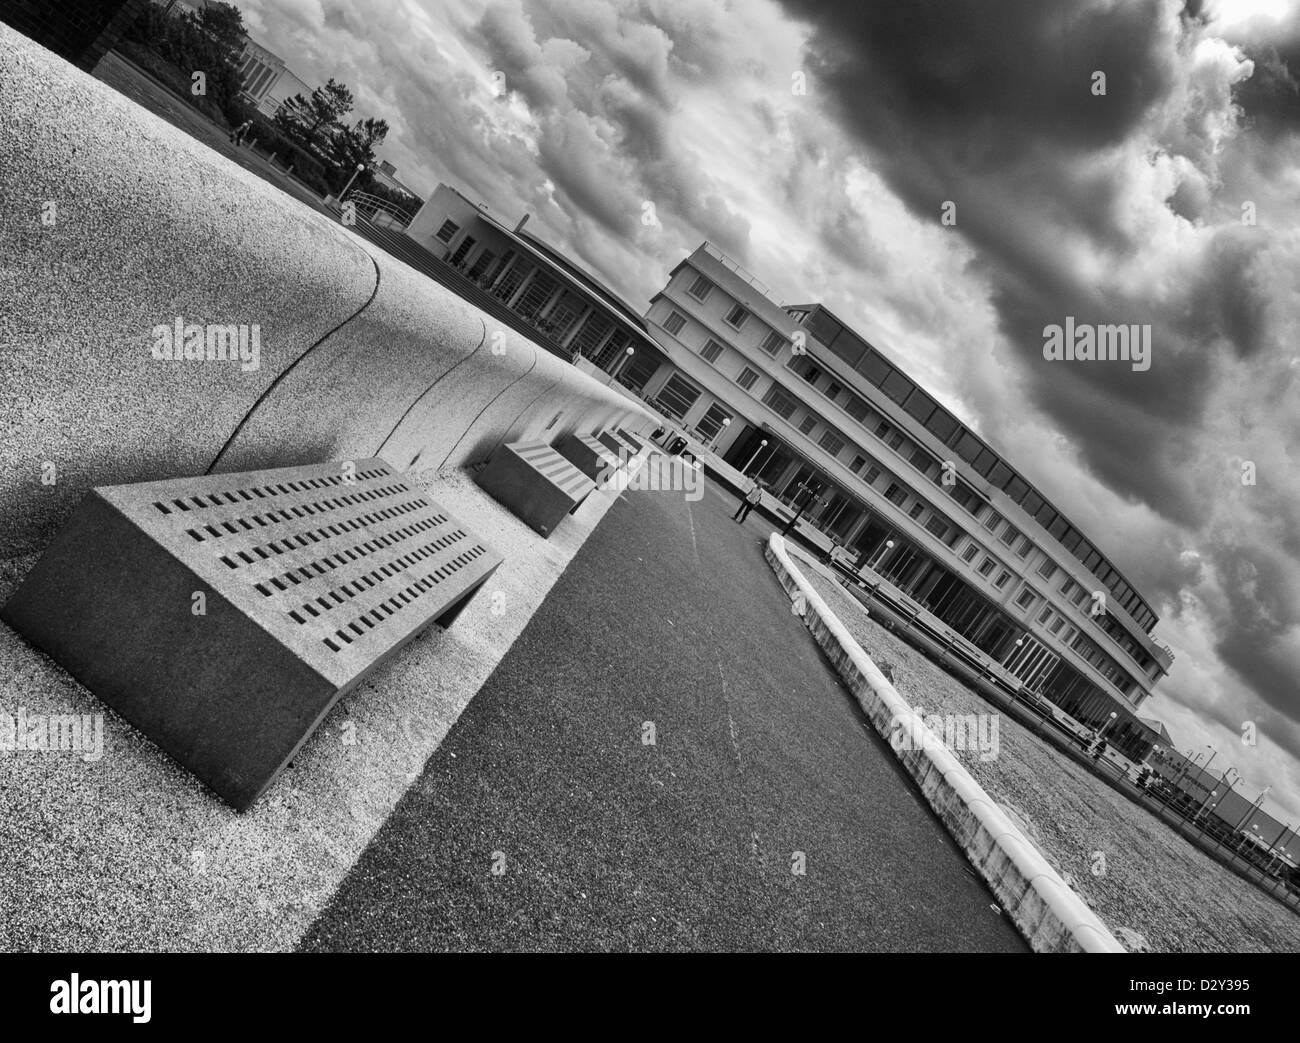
x,y
568,307
266,81
903,484
386,174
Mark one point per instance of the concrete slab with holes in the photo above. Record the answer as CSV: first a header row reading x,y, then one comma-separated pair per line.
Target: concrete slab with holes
x,y
224,615
124,850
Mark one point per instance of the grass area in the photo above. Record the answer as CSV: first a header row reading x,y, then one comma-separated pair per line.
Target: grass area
x,y
128,79
1138,875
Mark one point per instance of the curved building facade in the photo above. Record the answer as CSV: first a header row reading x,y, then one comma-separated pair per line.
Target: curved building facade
x,y
909,491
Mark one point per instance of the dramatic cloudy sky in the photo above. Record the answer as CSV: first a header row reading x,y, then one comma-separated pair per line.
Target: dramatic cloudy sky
x,y
1126,207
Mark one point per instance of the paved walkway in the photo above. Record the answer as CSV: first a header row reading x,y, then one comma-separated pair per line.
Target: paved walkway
x,y
669,615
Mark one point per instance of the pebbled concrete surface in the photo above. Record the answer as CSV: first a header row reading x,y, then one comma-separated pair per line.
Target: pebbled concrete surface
x,y
129,853
669,615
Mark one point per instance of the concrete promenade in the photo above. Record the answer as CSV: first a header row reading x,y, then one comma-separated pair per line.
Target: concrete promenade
x,y
669,615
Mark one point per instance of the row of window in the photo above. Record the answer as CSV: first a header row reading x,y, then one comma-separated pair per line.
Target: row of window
x,y
979,457
806,367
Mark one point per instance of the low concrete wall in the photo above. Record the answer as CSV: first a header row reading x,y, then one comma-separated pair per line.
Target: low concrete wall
x,y
1050,915
114,223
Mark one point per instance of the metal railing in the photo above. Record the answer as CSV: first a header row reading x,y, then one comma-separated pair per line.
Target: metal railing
x,y
743,273
372,207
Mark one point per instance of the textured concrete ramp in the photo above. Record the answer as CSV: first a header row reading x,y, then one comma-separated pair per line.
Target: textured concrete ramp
x,y
114,222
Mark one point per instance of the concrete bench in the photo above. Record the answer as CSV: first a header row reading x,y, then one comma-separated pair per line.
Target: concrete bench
x,y
223,616
536,484
630,453
591,456
636,441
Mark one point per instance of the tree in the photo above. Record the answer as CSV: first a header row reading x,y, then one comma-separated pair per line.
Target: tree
x,y
225,23
356,144
325,108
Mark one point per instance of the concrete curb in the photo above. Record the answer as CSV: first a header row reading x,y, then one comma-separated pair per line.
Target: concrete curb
x,y
1043,907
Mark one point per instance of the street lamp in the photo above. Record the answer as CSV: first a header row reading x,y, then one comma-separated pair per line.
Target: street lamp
x,y
755,456
627,357
1254,807
726,423
344,194
889,545
811,495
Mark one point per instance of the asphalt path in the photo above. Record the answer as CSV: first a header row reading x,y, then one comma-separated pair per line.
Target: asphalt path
x,y
765,815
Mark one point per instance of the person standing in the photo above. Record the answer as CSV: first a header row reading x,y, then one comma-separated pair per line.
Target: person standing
x,y
752,499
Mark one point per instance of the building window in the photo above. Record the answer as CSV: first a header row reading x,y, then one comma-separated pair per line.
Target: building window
x,y
1010,535
711,350
457,259
712,422
831,442
832,390
872,474
920,459
856,408
1047,569
917,510
700,288
987,566
936,526
1026,597
1026,545
772,342
1045,615
807,424
993,521
811,374
448,230
894,440
674,323
779,402
676,397
895,494
1056,625
737,316
1003,580
747,378
859,462
968,555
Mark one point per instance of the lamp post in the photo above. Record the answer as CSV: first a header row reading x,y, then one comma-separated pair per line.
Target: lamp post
x,y
1253,808
726,423
1226,792
761,444
344,194
627,357
889,545
811,495
1187,763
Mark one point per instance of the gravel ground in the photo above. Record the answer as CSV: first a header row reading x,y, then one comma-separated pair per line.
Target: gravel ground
x,y
1150,886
